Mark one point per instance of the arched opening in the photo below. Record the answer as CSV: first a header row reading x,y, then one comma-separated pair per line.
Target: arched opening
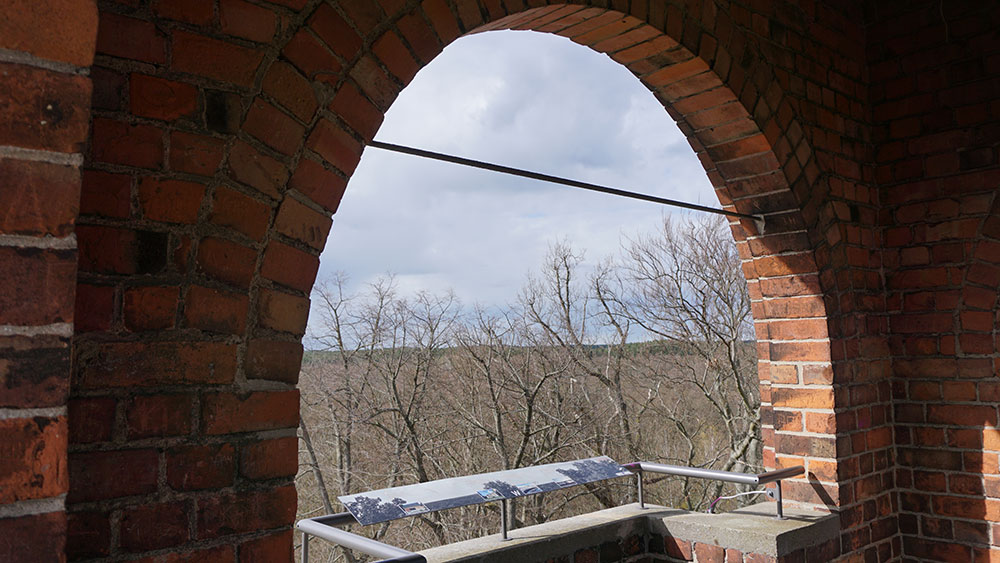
x,y
882,121
566,110
207,197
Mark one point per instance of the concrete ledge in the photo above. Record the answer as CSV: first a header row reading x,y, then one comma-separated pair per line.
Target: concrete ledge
x,y
752,529
624,532
550,540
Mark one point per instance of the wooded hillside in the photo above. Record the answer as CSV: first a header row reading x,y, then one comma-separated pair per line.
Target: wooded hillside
x,y
648,357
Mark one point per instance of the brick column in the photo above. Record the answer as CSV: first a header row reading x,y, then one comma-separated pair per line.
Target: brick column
x,y
45,49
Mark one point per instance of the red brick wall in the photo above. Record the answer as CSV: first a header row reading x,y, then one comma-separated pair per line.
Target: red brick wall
x,y
935,83
198,249
214,164
223,133
45,49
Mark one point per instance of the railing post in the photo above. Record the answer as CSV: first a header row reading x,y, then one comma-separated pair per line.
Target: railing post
x,y
638,480
305,547
503,520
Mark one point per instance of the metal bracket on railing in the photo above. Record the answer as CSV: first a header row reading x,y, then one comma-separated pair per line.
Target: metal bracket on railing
x,y
324,527
730,476
775,494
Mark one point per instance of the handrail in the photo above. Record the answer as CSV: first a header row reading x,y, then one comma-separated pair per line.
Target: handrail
x,y
776,476
323,527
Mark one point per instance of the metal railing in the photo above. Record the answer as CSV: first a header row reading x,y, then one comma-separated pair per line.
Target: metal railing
x,y
641,467
326,527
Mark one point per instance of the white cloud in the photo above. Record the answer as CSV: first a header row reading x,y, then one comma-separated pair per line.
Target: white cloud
x,y
521,99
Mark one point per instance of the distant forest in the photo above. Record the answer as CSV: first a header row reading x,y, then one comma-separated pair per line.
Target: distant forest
x,y
412,388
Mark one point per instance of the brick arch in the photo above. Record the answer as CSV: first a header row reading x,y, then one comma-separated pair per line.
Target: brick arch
x,y
740,161
221,144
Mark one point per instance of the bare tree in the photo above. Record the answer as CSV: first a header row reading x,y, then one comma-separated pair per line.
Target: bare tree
x,y
684,285
648,356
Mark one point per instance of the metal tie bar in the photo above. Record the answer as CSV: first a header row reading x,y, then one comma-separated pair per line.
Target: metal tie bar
x,y
757,219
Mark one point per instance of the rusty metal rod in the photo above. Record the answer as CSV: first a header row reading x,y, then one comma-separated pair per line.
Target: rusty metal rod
x,y
758,219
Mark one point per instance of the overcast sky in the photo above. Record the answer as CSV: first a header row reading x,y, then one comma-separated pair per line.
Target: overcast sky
x,y
527,100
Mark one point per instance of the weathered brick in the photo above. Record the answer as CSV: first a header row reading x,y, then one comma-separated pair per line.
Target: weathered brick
x,y
58,30
159,415
318,184
105,194
240,212
397,58
259,171
226,413
112,474
249,511
962,415
197,12
631,38
678,548
247,20
37,286
216,310
365,15
273,360
149,307
153,526
708,553
335,145
130,38
420,36
787,421
273,127
43,109
158,98
821,423
312,57
170,201
283,312
292,90
275,547
227,261
300,222
212,58
38,198
89,534
15,530
270,459
201,467
355,109
802,398
120,251
91,419
290,266
195,154
34,462
335,31
94,308
128,364
442,20
34,372
117,142
375,83
108,87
